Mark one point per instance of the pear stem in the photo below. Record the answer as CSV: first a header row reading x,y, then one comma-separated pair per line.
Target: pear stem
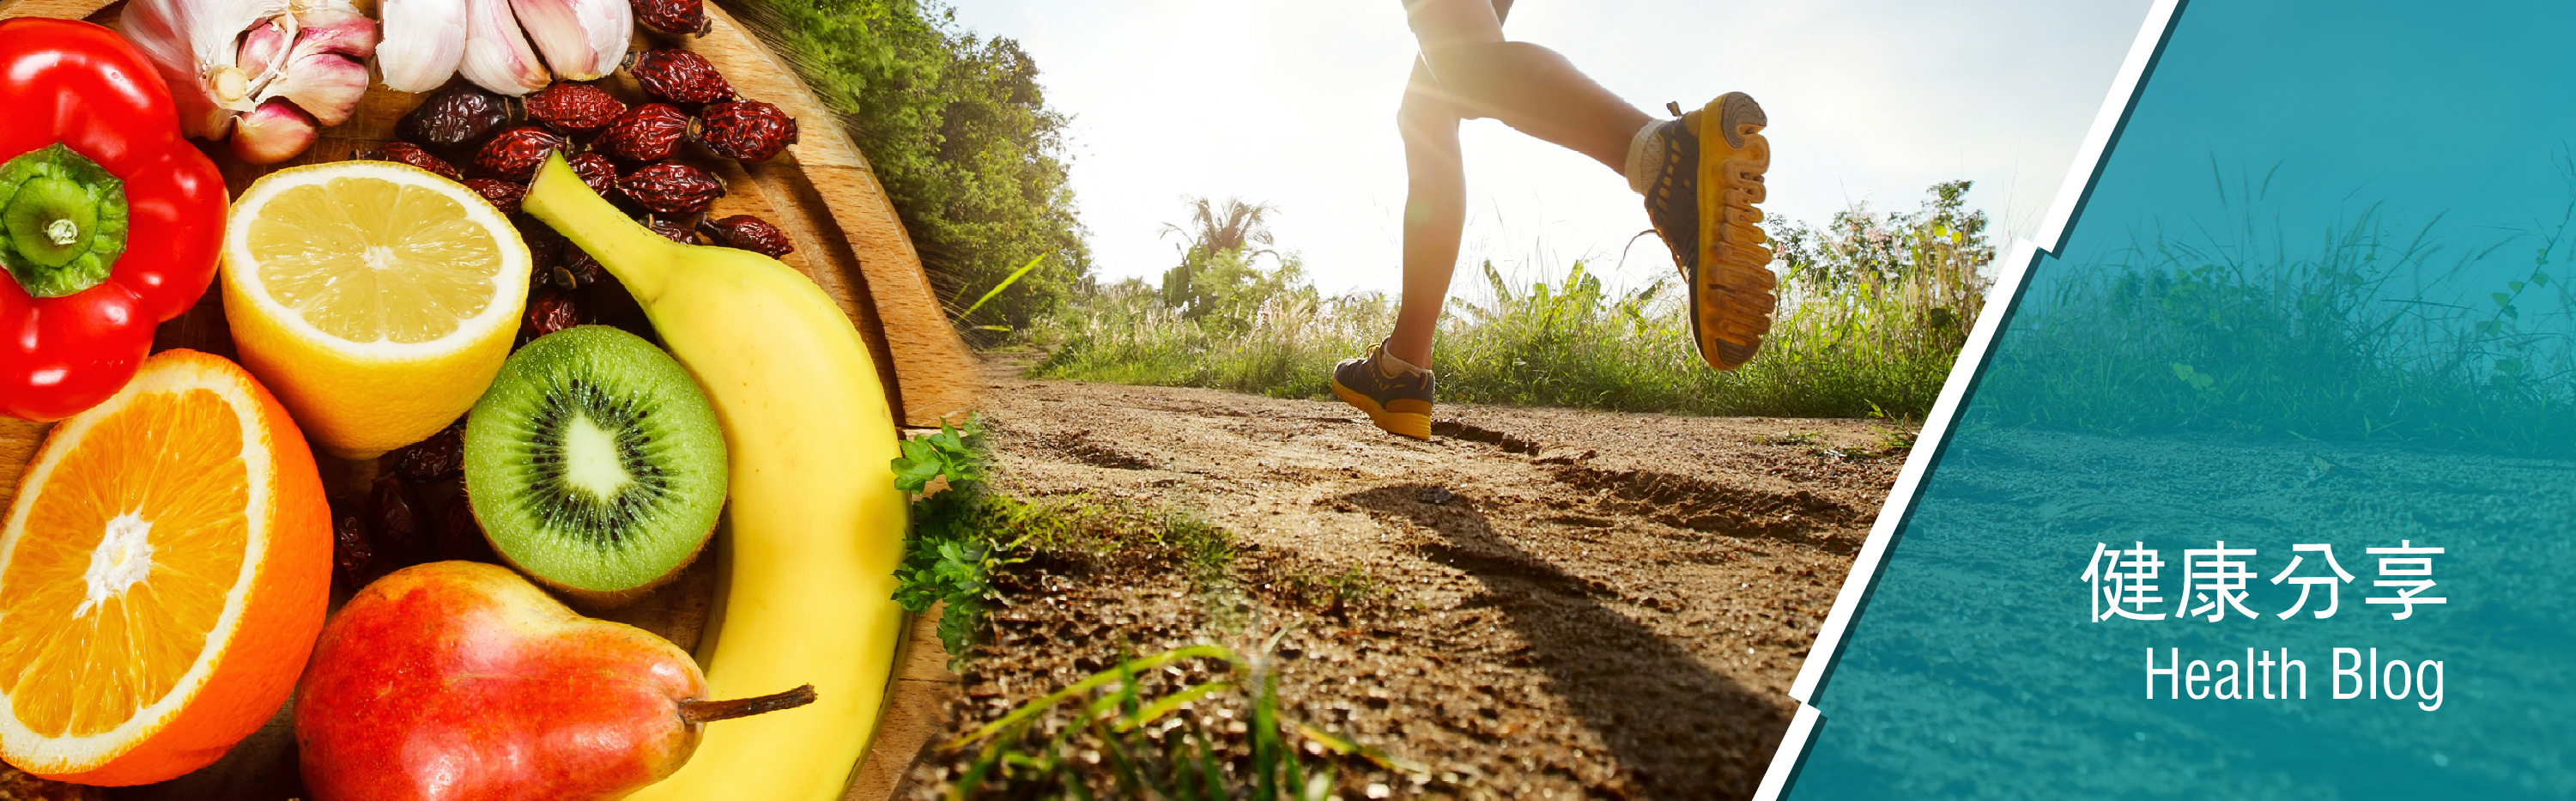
x,y
696,711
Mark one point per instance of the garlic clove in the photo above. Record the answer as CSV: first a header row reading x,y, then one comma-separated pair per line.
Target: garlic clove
x,y
424,42
326,85
497,55
262,48
273,132
581,39
333,26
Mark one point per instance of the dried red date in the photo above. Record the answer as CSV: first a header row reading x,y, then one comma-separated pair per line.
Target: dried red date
x,y
650,132
680,76
455,119
503,194
550,311
514,154
745,130
748,233
671,188
438,458
408,153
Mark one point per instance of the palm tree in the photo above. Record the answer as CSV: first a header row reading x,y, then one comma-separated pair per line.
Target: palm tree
x,y
1234,226
1213,229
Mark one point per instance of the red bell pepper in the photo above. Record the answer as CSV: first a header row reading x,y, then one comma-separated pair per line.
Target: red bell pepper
x,y
110,223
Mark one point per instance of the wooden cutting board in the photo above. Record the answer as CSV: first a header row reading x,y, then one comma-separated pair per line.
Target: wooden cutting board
x,y
848,240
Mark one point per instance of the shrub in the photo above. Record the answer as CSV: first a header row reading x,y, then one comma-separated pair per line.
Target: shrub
x,y
958,130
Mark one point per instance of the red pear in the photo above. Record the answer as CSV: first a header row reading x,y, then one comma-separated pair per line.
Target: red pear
x,y
461,680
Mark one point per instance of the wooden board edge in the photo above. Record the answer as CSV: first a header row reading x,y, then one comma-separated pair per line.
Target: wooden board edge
x,y
59,9
919,697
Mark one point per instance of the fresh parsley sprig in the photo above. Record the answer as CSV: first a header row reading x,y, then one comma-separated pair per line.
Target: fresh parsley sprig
x,y
958,536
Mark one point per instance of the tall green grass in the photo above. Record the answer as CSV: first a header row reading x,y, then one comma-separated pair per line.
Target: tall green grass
x,y
1873,311
1564,342
2374,333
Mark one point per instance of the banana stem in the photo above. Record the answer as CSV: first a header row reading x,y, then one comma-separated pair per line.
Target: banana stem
x,y
558,197
696,711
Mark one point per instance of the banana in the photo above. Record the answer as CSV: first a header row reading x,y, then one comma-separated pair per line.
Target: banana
x,y
817,524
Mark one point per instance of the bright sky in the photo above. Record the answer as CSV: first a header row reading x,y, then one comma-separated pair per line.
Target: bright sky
x,y
1292,102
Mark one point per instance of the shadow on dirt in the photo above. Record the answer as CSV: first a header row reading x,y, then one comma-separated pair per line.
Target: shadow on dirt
x,y
1679,728
1801,518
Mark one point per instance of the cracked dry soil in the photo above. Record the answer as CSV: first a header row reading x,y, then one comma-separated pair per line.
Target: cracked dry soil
x,y
1563,604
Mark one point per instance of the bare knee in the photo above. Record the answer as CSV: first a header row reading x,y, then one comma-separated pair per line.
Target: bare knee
x,y
1427,116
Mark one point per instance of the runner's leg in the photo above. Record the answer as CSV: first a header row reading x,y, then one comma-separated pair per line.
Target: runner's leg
x,y
1701,175
1435,214
1467,71
1530,88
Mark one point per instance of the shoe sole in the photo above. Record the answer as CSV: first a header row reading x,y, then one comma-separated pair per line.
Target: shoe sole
x,y
1401,423
1732,292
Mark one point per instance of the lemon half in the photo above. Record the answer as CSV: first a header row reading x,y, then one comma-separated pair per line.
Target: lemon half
x,y
377,300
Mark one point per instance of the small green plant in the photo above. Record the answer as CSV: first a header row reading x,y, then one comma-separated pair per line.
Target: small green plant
x,y
965,534
1119,743
1333,590
1893,442
955,547
1205,549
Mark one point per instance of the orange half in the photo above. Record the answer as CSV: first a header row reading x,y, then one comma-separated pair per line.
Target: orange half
x,y
164,570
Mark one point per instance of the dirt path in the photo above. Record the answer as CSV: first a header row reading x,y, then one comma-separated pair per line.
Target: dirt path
x,y
1565,603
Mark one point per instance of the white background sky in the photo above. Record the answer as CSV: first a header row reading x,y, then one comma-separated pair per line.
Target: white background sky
x,y
1292,102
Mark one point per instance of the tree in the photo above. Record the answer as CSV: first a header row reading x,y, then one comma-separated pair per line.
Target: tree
x,y
1235,226
1932,262
957,129
1216,273
1226,293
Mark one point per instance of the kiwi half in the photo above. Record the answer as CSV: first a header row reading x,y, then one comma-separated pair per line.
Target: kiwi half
x,y
594,464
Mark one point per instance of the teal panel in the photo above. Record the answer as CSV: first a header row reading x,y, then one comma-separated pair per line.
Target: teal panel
x,y
2319,294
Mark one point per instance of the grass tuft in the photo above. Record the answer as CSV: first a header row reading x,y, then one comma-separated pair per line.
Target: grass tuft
x,y
1222,737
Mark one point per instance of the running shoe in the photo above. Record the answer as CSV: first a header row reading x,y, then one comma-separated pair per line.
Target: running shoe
x,y
1396,396
1702,203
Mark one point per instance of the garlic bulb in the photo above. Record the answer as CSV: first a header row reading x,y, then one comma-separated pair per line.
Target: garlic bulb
x,y
193,42
581,39
497,55
424,43
270,68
